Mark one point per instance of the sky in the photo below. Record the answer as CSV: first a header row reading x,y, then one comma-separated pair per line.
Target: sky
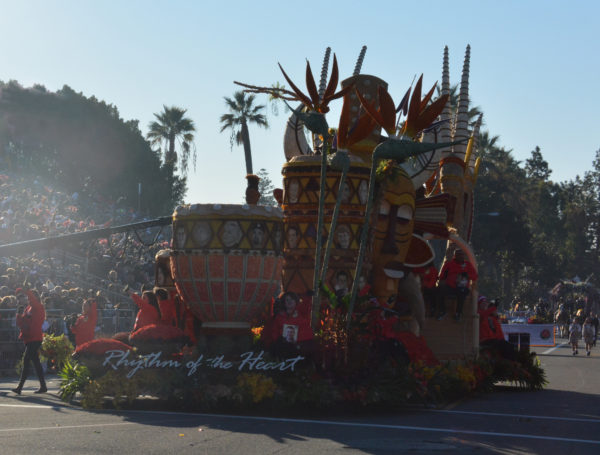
x,y
534,65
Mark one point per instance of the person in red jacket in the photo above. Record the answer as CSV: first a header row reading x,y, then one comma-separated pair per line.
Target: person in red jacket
x,y
429,276
491,336
291,326
149,312
84,328
454,280
30,317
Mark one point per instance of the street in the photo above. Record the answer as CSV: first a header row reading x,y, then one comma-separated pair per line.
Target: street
x,y
564,418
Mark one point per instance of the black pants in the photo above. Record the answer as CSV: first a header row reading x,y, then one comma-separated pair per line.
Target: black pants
x,y
430,298
31,356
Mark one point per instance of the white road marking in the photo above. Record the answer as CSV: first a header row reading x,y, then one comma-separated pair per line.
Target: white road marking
x,y
67,427
525,416
555,348
38,406
382,426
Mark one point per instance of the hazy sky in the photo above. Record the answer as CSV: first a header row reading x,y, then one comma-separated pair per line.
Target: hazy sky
x,y
534,65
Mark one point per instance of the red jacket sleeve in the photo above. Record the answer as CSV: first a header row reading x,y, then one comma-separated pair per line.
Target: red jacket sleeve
x,y
471,272
137,300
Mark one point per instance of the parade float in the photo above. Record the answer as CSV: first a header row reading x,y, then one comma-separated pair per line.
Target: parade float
x,y
316,302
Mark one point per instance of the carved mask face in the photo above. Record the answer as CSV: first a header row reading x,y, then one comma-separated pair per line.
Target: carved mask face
x,y
393,232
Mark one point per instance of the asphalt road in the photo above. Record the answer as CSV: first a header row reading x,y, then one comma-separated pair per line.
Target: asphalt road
x,y
563,419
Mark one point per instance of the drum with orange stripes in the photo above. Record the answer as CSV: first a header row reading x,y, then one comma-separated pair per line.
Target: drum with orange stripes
x,y
226,261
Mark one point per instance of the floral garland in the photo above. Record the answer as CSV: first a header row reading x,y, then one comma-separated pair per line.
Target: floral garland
x,y
157,332
57,349
99,347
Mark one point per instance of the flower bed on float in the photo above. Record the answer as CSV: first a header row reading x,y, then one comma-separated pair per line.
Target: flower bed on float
x,y
157,338
366,370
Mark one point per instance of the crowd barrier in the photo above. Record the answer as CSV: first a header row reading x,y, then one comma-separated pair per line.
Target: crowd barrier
x,y
111,321
11,349
8,327
525,335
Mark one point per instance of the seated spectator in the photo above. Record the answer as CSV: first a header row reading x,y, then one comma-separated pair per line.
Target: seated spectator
x,y
149,311
167,307
428,275
454,280
491,336
84,328
290,328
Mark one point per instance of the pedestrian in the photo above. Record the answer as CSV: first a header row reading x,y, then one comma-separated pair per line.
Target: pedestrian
x,y
588,335
595,323
575,335
30,317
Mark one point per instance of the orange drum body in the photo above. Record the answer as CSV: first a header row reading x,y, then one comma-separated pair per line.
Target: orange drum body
x,y
226,261
301,177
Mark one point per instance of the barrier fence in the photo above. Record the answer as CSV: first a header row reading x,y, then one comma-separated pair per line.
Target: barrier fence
x,y
110,321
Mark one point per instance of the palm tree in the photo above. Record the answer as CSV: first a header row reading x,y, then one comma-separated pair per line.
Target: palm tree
x,y
242,112
172,126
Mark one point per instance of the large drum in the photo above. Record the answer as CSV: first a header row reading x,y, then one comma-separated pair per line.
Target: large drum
x,y
226,261
301,177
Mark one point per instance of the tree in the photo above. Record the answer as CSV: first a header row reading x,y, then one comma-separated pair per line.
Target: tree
x,y
274,100
81,144
265,187
536,167
172,126
501,237
242,111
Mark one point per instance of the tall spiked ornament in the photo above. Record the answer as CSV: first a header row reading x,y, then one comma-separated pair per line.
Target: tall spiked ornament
x,y
446,116
324,71
359,62
461,127
452,166
445,132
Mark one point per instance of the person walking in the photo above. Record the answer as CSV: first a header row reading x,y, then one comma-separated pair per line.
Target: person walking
x,y
30,317
588,335
595,323
575,335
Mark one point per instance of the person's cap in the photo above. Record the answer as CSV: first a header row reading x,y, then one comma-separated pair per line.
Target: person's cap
x,y
481,298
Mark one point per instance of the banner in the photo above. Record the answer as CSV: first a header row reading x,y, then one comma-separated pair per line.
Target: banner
x,y
539,334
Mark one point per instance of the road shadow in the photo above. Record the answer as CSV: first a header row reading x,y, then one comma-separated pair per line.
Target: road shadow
x,y
409,431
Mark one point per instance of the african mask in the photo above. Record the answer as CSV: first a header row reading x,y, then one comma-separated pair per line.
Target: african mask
x,y
393,230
